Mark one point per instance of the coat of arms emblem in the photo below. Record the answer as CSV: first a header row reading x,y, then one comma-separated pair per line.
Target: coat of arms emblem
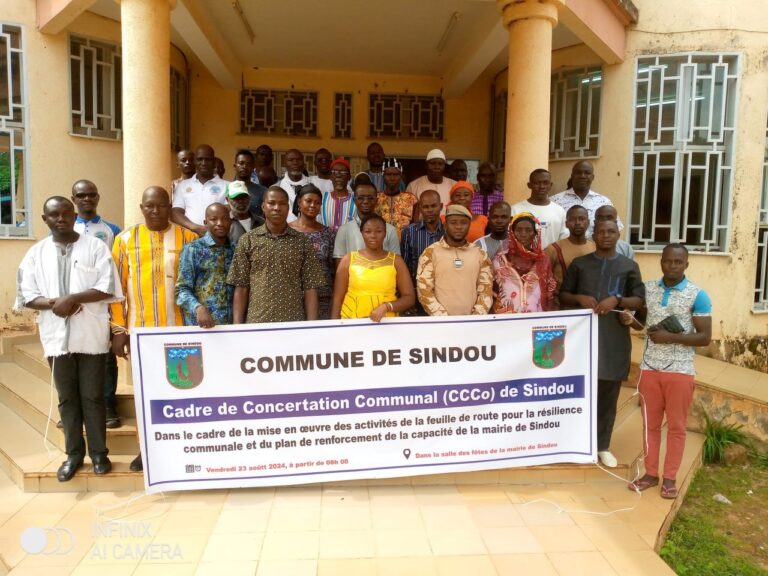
x,y
548,347
184,365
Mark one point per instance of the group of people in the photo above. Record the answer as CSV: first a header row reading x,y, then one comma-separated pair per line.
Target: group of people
x,y
328,246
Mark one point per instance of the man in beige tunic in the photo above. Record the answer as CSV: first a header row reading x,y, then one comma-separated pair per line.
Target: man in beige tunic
x,y
454,277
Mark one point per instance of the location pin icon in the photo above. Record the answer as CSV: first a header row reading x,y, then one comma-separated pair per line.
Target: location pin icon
x,y
407,453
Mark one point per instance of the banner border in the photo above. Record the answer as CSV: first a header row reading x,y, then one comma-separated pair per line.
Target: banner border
x,y
173,330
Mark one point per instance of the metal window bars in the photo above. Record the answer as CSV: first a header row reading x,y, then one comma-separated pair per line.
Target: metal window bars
x,y
95,88
682,159
14,197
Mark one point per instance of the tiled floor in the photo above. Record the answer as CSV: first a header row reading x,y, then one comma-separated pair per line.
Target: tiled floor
x,y
477,530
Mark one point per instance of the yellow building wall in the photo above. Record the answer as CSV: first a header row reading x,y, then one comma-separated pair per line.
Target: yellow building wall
x,y
216,113
55,158
694,26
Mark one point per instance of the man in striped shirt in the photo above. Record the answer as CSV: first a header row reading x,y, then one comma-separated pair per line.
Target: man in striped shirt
x,y
417,236
147,259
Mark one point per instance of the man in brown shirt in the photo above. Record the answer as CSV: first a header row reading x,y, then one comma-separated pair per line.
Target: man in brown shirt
x,y
274,270
562,252
454,277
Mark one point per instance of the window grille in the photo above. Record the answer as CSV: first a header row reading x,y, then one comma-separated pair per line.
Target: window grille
x,y
95,88
278,112
761,280
342,115
684,116
179,111
406,116
574,129
14,200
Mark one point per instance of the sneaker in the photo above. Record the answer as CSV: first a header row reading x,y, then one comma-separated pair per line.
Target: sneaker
x,y
608,459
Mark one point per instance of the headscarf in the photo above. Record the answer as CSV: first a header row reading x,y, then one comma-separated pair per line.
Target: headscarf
x,y
462,184
524,260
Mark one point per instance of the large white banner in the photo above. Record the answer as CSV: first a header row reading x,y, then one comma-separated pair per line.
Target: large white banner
x,y
269,404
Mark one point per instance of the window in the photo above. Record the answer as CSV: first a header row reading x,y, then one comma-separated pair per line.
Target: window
x,y
761,280
574,130
342,115
179,112
405,116
278,112
95,86
685,110
14,200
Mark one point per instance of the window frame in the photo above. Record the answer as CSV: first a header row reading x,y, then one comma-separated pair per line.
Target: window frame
x,y
114,88
652,246
6,230
581,73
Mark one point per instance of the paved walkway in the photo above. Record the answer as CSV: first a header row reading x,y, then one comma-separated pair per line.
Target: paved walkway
x,y
540,529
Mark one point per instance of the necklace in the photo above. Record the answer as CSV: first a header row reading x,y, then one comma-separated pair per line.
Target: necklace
x,y
457,262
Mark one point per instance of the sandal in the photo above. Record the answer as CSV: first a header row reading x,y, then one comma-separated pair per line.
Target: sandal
x,y
669,492
643,484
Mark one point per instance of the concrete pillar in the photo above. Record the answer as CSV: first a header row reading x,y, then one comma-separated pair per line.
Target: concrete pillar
x,y
146,41
530,24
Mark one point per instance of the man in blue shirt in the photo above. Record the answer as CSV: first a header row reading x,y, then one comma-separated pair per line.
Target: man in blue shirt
x,y
85,197
202,291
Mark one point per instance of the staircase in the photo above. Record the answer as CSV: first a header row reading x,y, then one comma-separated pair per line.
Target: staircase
x,y
28,406
31,446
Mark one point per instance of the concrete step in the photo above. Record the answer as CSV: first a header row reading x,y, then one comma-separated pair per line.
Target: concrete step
x,y
33,400
29,355
32,464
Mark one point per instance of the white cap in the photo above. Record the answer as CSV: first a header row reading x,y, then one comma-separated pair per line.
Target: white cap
x,y
436,153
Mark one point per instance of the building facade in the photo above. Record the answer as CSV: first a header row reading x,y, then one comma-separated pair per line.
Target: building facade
x,y
670,106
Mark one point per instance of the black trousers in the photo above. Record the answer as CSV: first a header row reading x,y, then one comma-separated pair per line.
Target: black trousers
x,y
110,382
607,398
79,380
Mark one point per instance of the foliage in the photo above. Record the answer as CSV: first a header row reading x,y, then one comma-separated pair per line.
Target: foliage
x,y
718,435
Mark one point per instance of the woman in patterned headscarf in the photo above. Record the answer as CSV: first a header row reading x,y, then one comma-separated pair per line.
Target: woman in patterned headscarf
x,y
522,276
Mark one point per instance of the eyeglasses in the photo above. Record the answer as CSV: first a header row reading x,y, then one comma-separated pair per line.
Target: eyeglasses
x,y
340,172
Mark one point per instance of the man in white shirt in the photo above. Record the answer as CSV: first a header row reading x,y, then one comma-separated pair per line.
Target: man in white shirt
x,y
194,195
434,178
70,278
322,178
551,216
293,180
581,193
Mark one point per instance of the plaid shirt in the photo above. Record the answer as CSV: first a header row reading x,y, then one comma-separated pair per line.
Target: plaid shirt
x,y
481,203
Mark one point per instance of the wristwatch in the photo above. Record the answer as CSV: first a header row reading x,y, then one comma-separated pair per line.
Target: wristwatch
x,y
618,300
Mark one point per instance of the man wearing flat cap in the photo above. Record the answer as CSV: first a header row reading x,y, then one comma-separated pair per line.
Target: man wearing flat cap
x,y
455,277
434,179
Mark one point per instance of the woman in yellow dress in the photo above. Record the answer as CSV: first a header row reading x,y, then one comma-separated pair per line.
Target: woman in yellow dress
x,y
368,280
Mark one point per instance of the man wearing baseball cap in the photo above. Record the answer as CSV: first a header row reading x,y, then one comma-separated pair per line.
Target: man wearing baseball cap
x,y
455,277
244,219
434,179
